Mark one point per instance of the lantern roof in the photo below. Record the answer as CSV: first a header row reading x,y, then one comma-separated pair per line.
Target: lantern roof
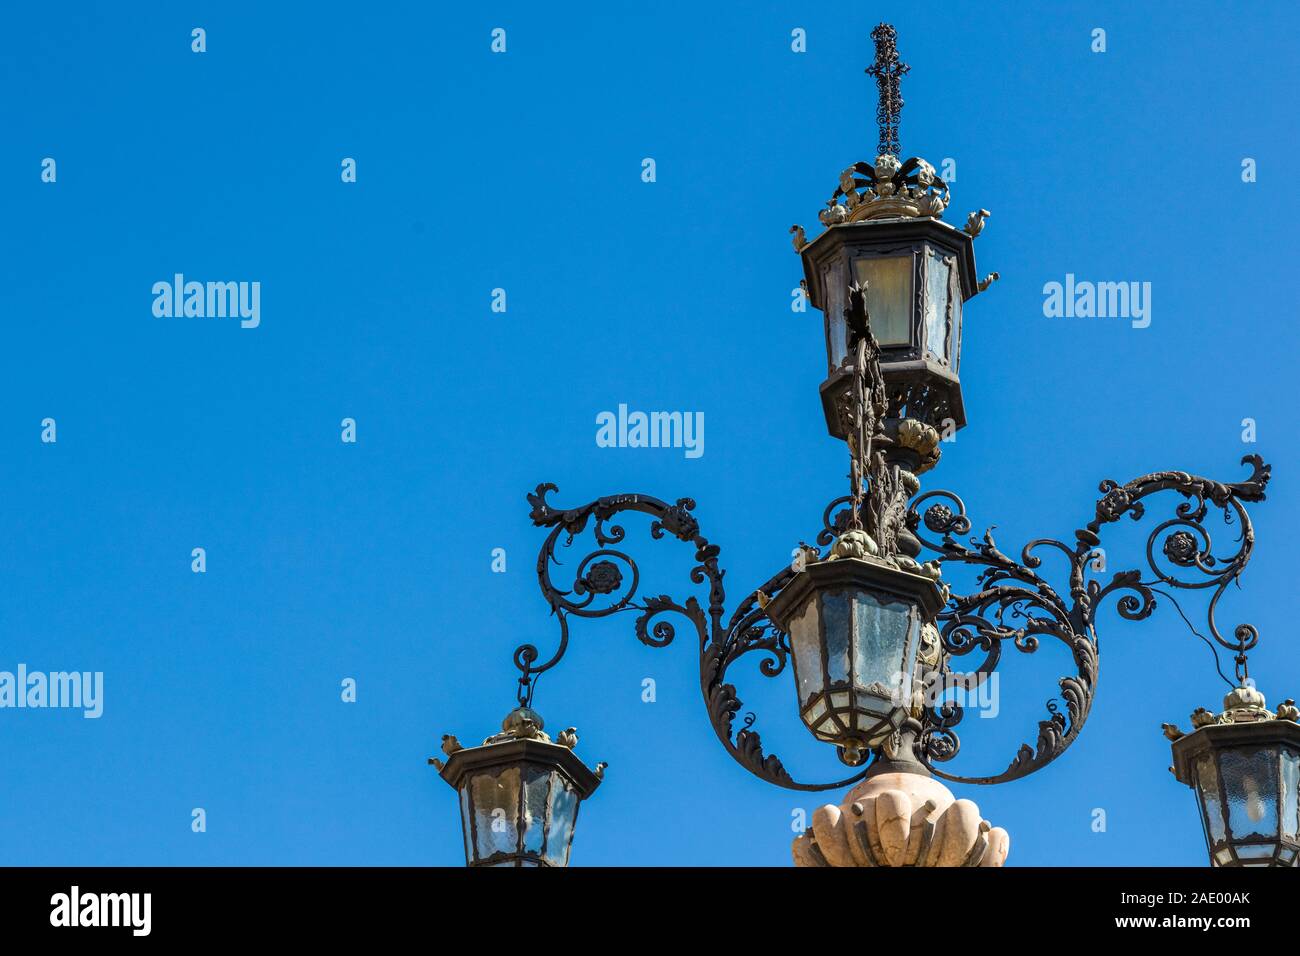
x,y
521,740
889,187
856,566
1245,718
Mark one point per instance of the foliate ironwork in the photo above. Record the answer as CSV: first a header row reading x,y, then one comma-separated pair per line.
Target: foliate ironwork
x,y
607,581
1015,604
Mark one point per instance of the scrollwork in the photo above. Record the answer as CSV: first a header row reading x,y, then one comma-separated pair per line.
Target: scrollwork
x,y
607,581
1014,603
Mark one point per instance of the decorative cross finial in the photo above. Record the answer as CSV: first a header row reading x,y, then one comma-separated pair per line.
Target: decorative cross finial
x,y
887,70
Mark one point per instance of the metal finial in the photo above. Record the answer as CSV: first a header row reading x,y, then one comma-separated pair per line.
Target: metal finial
x,y
888,70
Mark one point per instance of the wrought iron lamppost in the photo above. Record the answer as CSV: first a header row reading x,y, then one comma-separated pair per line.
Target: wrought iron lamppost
x,y
866,617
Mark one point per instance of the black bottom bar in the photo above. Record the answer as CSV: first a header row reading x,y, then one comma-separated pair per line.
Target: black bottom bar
x,y
507,907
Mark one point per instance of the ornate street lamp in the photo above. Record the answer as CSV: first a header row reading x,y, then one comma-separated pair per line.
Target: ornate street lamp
x,y
519,792
1244,765
874,631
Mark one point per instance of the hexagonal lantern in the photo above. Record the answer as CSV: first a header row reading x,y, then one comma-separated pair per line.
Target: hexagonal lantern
x,y
519,793
1244,766
884,234
855,628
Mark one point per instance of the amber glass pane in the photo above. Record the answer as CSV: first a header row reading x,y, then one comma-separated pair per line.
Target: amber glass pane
x,y
889,296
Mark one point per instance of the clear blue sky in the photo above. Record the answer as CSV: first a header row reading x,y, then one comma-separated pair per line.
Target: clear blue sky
x,y
522,171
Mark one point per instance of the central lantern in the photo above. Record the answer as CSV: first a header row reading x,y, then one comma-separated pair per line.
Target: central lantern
x,y
861,635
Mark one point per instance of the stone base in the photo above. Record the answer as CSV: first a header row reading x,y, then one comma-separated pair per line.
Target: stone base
x,y
901,819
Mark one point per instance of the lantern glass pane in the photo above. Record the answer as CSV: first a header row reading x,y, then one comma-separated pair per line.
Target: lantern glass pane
x,y
816,713
938,286
884,646
835,612
954,326
466,823
837,290
1207,784
1290,798
495,796
564,812
1255,851
534,814
805,640
889,297
1250,780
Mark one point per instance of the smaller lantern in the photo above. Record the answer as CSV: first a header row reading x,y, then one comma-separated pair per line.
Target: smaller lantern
x,y
1244,766
857,627
519,792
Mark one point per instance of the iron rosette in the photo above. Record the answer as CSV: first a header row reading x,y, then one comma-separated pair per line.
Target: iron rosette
x,y
1013,603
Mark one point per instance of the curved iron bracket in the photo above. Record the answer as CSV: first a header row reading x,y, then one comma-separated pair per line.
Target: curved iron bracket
x,y
1014,603
607,581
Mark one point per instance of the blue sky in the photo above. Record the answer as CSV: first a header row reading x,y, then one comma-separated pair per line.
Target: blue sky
x,y
521,171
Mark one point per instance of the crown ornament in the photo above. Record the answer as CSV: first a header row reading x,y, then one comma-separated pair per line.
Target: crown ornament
x,y
889,188
1242,705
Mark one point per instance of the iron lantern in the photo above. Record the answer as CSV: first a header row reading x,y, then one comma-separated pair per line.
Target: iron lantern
x,y
1244,766
519,793
861,634
916,271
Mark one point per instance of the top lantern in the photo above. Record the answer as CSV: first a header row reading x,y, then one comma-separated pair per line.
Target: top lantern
x,y
885,235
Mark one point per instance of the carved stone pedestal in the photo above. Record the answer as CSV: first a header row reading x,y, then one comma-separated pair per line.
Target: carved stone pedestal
x,y
901,819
